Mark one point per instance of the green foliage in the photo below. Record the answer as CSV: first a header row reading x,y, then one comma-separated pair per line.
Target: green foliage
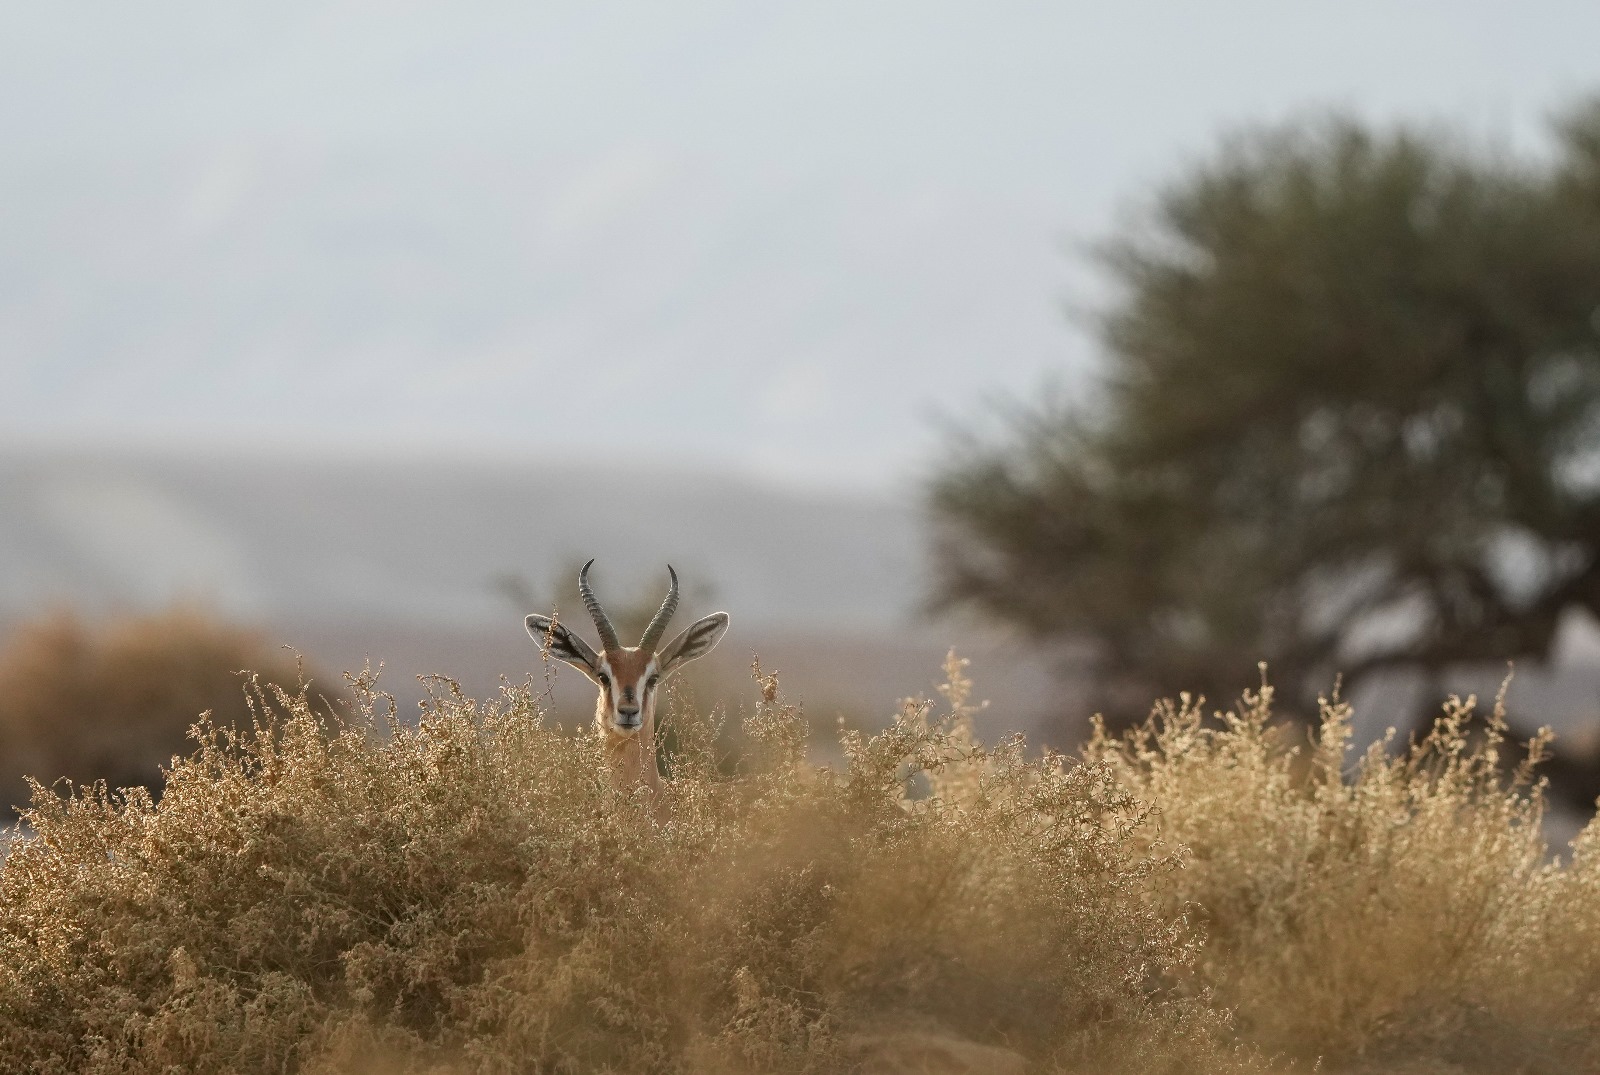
x,y
114,701
1350,419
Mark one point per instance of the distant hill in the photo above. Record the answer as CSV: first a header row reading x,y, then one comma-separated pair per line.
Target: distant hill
x,y
437,543
430,565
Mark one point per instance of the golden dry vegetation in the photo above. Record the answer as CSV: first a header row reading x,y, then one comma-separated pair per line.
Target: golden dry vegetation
x,y
470,895
89,700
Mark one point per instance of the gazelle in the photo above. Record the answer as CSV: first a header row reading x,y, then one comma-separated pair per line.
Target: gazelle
x,y
628,676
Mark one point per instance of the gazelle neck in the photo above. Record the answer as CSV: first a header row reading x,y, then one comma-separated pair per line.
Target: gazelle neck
x,y
631,758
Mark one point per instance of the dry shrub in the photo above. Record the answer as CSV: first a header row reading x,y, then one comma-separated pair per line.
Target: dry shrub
x,y
468,895
115,702
1399,910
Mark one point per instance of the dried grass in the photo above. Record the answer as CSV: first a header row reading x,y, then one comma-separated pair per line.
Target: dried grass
x,y
469,895
114,700
1400,907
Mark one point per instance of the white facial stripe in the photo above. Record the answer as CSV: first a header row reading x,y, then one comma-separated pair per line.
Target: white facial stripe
x,y
616,695
645,688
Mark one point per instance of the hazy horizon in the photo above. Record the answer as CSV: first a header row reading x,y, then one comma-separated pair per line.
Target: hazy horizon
x,y
781,243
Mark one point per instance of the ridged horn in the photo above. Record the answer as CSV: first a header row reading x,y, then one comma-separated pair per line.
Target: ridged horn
x,y
652,634
602,622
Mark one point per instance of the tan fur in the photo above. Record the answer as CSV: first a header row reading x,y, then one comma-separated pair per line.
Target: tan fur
x,y
627,665
631,755
628,678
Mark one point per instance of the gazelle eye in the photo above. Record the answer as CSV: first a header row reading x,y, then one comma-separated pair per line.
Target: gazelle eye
x,y
650,684
605,681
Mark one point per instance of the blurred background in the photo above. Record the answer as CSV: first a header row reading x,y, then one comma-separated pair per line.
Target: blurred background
x,y
1120,348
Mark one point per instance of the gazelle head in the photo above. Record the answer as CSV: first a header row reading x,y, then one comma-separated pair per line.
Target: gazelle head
x,y
628,676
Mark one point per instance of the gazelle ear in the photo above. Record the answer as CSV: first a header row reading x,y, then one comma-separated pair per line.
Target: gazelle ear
x,y
697,640
563,645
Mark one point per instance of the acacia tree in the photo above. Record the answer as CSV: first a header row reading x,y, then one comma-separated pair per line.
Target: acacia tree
x,y
1349,419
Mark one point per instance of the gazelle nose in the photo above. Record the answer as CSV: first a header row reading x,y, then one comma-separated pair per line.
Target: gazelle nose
x,y
627,711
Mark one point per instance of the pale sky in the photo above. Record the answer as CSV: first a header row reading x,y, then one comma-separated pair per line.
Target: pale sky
x,y
781,240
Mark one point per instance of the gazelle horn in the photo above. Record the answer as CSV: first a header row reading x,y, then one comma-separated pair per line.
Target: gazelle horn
x,y
602,623
652,634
